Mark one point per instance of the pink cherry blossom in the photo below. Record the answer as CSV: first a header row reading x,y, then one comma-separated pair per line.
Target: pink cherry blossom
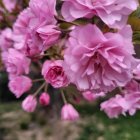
x,y
133,99
132,96
54,74
129,101
35,29
29,104
132,86
68,112
15,62
99,62
136,72
112,12
45,7
6,39
44,99
90,96
115,106
20,85
9,4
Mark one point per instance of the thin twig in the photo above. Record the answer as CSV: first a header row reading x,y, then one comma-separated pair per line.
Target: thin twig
x,y
37,80
39,89
63,97
46,87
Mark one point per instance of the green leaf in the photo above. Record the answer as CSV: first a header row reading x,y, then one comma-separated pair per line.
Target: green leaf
x,y
136,37
134,21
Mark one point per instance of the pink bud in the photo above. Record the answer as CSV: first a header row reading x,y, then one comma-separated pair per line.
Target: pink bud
x,y
44,99
29,104
89,96
68,112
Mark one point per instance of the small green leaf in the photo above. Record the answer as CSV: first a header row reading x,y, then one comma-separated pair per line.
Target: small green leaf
x,y
134,21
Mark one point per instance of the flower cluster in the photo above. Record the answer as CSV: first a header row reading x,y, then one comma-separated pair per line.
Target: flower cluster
x,y
35,29
71,47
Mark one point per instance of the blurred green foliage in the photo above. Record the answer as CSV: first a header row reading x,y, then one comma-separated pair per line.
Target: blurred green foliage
x,y
5,94
94,124
100,127
134,21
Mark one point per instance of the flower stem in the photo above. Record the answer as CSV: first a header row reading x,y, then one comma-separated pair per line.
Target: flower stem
x,y
46,87
62,20
38,80
63,97
39,89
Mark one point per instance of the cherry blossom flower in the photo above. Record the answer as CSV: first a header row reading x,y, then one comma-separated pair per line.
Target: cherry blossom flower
x,y
54,74
35,29
96,61
16,63
20,85
114,13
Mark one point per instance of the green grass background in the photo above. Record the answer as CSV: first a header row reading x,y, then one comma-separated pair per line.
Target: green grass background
x,y
96,126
